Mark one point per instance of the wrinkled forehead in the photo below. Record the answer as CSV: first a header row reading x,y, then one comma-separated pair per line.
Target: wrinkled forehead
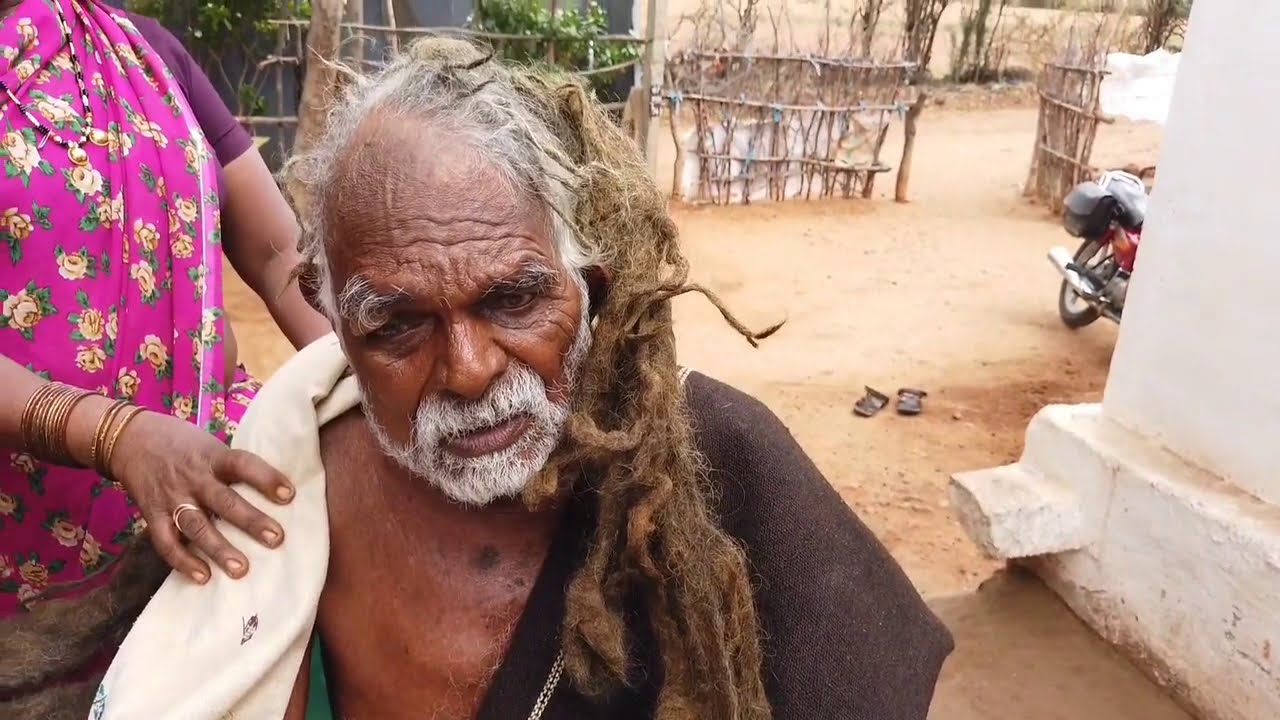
x,y
412,200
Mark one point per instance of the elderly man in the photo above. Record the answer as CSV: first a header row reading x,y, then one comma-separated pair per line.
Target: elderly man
x,y
531,510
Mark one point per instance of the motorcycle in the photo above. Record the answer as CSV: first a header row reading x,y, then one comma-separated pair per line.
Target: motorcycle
x,y
1107,214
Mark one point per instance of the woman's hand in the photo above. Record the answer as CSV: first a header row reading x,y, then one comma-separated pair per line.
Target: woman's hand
x,y
164,463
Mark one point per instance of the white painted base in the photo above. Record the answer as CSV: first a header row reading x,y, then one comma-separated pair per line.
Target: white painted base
x,y
1179,568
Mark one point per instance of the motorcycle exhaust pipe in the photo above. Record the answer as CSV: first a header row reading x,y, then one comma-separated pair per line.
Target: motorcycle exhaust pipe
x,y
1062,260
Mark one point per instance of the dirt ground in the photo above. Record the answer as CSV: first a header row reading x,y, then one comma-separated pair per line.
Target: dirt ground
x,y
950,293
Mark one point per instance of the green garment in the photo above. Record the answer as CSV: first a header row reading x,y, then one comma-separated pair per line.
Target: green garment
x,y
318,705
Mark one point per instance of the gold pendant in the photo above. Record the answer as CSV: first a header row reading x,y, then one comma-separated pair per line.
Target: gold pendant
x,y
78,155
99,137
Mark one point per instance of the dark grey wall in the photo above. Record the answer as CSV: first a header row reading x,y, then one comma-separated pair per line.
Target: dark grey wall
x,y
425,13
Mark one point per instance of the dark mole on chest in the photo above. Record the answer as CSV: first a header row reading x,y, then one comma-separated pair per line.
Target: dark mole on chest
x,y
488,558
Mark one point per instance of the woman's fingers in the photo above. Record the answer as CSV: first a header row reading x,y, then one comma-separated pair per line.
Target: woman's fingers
x,y
238,466
230,506
165,538
199,529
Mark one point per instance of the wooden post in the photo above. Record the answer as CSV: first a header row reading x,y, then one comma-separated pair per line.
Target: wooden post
x,y
391,23
653,65
677,172
1029,186
551,41
826,38
908,147
357,42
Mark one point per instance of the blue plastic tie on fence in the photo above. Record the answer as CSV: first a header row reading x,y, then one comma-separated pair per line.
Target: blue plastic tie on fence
x,y
777,114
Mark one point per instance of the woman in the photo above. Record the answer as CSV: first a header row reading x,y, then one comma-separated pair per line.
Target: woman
x,y
124,175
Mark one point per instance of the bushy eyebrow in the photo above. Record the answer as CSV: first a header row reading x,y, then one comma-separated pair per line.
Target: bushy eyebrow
x,y
364,307
367,308
534,277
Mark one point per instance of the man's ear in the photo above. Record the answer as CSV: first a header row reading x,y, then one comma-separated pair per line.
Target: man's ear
x,y
599,279
309,284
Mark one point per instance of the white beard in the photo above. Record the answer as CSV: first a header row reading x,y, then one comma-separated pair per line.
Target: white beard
x,y
481,480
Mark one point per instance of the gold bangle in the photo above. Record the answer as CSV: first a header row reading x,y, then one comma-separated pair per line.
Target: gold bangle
x,y
59,442
45,421
35,404
100,435
110,450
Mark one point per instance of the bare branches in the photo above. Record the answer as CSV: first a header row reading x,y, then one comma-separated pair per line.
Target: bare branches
x,y
920,29
1162,22
867,13
975,56
769,122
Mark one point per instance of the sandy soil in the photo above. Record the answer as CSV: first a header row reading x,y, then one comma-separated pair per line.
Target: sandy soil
x,y
950,293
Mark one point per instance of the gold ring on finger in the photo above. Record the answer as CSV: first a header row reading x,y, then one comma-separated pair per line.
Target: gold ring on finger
x,y
177,515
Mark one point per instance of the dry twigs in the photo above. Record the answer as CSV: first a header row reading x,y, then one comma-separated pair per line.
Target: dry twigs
x,y
777,124
1069,116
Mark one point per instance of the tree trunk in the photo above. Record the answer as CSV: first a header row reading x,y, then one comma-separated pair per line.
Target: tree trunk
x,y
323,41
908,147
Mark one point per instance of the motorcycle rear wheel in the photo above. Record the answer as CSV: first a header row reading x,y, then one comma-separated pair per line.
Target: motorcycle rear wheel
x,y
1073,309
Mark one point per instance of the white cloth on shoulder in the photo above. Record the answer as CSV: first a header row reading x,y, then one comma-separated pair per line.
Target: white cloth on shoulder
x,y
231,649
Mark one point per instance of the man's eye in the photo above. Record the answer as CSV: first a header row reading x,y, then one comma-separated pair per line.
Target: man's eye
x,y
512,301
391,329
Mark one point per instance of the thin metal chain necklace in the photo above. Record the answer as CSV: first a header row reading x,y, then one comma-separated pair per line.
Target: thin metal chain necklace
x,y
75,148
548,689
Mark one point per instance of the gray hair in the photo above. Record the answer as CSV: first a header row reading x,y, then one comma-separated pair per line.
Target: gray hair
x,y
467,100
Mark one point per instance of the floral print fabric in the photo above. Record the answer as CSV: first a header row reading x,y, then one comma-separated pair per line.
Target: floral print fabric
x,y
110,271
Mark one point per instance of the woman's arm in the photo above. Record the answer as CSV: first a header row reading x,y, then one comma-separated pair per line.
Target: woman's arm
x,y
162,462
20,384
261,237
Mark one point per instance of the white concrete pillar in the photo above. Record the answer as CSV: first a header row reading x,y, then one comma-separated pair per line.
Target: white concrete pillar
x,y
1197,366
1156,515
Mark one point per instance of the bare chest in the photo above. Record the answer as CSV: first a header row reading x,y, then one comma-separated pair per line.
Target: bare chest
x,y
402,649
416,617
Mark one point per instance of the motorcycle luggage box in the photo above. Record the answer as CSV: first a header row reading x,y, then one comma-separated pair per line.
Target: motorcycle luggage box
x,y
1088,211
1131,200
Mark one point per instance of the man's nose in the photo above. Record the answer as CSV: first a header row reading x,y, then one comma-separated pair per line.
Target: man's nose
x,y
473,360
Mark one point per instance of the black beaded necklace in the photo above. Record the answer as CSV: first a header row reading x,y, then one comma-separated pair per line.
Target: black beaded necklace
x,y
75,148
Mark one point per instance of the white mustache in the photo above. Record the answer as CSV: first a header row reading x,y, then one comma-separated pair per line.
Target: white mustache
x,y
520,391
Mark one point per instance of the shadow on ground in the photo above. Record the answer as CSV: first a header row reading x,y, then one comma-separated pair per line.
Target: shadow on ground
x,y
1022,655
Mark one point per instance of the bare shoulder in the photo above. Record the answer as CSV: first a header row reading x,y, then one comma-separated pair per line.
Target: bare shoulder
x,y
347,449
343,436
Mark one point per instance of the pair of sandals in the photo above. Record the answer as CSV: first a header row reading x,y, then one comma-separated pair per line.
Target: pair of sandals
x,y
910,402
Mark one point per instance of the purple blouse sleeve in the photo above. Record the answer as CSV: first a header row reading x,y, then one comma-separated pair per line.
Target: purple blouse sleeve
x,y
227,136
